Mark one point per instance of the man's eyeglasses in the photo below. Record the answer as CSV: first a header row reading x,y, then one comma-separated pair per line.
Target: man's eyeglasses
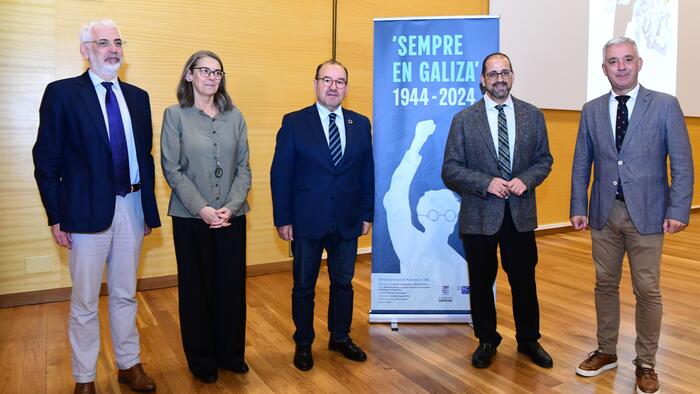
x,y
492,76
206,72
105,43
328,82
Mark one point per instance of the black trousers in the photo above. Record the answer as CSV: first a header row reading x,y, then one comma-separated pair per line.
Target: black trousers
x,y
211,269
519,257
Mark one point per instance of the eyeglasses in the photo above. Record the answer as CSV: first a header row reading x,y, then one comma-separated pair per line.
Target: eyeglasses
x,y
206,72
105,43
492,76
434,215
328,82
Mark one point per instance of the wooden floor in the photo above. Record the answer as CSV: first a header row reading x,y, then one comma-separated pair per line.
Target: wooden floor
x,y
35,355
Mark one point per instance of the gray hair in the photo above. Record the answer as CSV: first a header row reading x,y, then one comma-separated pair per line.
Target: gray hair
x,y
618,41
86,31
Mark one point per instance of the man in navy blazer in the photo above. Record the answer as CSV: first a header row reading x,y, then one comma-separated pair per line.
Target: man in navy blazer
x,y
322,181
95,174
629,136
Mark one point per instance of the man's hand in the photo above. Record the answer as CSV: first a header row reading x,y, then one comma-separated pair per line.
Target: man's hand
x,y
516,186
147,229
673,226
579,222
498,187
62,238
286,232
365,227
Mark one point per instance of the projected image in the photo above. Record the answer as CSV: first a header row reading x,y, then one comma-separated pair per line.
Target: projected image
x,y
653,24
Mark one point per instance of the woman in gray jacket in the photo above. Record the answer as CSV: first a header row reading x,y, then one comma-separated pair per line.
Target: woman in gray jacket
x,y
204,155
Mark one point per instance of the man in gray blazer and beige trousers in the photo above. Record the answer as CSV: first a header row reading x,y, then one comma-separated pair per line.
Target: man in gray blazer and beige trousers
x,y
628,136
497,152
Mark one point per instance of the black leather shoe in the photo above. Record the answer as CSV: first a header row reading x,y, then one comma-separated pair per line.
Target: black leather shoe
x,y
240,367
538,355
349,350
302,358
483,354
207,378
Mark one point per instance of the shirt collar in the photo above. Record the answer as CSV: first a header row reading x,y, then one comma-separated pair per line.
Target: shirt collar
x,y
632,93
324,112
96,80
490,104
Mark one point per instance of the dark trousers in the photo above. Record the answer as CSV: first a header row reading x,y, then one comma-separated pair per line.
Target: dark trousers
x,y
211,269
341,268
519,257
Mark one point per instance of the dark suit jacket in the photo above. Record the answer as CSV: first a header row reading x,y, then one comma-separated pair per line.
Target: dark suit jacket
x,y
73,157
308,191
656,132
471,162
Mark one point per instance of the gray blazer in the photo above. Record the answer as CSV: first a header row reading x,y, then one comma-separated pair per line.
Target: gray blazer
x,y
471,162
656,132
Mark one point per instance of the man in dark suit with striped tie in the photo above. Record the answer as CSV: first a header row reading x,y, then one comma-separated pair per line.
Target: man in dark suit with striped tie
x,y
497,152
322,180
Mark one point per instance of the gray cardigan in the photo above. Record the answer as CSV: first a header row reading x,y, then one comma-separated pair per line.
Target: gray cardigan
x,y
193,145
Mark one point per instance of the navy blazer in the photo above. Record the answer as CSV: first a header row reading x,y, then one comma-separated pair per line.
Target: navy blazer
x,y
308,191
73,156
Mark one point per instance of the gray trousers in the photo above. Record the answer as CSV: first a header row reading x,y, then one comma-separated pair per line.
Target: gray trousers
x,y
644,253
120,247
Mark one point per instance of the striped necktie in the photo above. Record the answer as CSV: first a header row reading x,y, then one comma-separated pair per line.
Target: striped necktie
x,y
503,149
334,140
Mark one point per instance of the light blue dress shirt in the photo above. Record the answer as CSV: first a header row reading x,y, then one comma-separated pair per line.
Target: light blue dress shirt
x,y
492,114
126,119
323,113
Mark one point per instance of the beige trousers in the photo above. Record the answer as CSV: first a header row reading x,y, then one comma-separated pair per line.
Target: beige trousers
x,y
644,253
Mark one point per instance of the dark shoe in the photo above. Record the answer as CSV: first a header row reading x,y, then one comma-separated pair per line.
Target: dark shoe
x,y
538,355
136,378
206,378
596,363
240,367
349,350
483,354
302,358
84,388
647,379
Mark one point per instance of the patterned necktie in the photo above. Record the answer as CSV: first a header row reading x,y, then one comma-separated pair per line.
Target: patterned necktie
x,y
503,149
621,123
117,139
334,140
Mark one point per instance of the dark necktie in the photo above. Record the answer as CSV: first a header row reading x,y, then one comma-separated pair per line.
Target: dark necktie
x,y
621,123
117,139
334,140
503,148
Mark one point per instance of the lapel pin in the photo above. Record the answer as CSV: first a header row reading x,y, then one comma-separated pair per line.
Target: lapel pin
x,y
350,121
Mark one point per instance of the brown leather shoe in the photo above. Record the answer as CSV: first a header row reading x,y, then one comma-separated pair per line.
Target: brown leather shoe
x,y
647,380
136,378
596,363
84,388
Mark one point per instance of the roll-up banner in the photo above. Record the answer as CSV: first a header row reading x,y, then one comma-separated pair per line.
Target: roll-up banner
x,y
425,71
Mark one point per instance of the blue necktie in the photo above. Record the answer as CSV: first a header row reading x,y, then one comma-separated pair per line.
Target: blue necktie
x,y
334,140
503,148
117,139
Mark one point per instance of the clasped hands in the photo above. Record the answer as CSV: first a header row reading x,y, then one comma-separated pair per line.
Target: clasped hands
x,y
215,218
502,188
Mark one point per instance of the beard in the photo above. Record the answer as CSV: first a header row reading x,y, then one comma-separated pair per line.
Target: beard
x,y
101,67
499,90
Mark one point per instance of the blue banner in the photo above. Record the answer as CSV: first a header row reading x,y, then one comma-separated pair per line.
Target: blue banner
x,y
425,71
